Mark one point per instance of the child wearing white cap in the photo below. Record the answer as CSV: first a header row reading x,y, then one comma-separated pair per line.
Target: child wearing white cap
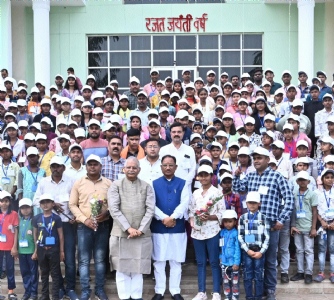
x,y
124,111
22,112
284,165
302,164
254,138
44,154
155,99
327,148
269,124
204,105
303,226
229,127
35,102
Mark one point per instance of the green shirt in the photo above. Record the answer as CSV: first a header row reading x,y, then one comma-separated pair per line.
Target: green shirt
x,y
28,235
309,200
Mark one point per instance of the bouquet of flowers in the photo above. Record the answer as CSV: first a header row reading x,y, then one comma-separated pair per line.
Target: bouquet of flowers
x,y
96,206
206,209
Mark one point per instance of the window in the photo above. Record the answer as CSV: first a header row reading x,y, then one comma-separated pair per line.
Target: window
x,y
170,1
120,57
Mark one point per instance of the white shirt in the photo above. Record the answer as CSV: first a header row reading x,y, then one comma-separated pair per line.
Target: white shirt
x,y
284,166
18,147
320,119
75,174
143,117
149,172
322,203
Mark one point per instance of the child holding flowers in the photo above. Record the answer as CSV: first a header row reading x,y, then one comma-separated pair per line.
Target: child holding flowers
x,y
205,215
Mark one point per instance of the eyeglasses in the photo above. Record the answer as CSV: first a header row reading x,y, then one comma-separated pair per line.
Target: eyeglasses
x,y
151,146
168,166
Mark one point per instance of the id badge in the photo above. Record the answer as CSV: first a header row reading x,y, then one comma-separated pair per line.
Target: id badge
x,y
244,204
261,229
50,240
23,243
221,242
232,207
152,94
11,172
39,178
250,238
242,176
22,159
301,214
329,213
3,238
263,130
34,188
120,176
286,155
277,120
5,180
263,190
252,147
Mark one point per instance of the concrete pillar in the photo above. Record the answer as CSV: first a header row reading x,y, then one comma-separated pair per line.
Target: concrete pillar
x,y
6,37
41,11
306,37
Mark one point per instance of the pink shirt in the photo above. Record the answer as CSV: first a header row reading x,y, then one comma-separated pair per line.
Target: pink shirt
x,y
147,133
150,89
54,145
239,119
283,90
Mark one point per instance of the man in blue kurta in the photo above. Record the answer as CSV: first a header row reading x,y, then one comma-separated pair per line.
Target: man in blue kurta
x,y
168,228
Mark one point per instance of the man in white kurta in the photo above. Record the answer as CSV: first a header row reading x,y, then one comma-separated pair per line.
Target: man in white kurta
x,y
168,228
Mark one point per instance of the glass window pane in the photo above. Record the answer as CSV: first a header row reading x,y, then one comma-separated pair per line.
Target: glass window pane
x,y
208,58
229,58
164,42
119,59
179,74
231,71
230,41
252,58
101,76
119,43
186,58
163,58
166,73
174,1
97,43
252,41
185,42
208,41
151,1
202,73
122,76
143,74
141,43
98,59
141,58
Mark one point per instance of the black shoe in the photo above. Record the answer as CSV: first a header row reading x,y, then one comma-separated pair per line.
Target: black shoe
x,y
3,274
12,296
298,276
157,297
308,279
177,297
284,278
25,297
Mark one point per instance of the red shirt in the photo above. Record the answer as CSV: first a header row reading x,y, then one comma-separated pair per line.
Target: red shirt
x,y
9,222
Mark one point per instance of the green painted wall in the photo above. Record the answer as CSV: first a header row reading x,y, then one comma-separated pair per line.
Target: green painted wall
x,y
70,25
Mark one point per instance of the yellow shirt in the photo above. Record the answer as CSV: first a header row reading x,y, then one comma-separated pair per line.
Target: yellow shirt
x,y
45,163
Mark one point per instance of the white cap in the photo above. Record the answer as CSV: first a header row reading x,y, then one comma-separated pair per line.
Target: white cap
x,y
234,144
260,99
269,117
294,117
185,70
304,160
32,151
155,121
162,109
243,137
97,94
3,89
46,196
224,74
25,201
22,88
279,144
225,167
210,72
23,123
239,127
199,79
142,93
221,133
34,89
47,120
220,95
227,84
86,103
108,100
36,125
227,115
183,100
79,132
206,169
56,160
64,136
48,101
79,98
250,120
29,136
10,79
327,96
108,127
303,175
248,82
58,75
87,87
190,85
325,171
115,119
22,82
109,87
302,143
278,91
220,106
272,161
76,112
214,144
5,146
175,95
71,122
40,82
291,86
21,102
12,125
268,70
181,114
230,214
97,110
244,151
153,111
297,102
75,146
71,76
53,87
211,127
7,114
65,100
40,136
270,134
90,76
195,135
134,79
93,157
325,139
242,100
329,158
215,86
154,70
168,78
266,82
286,72
330,119
62,122
288,126
253,197
12,104
163,101
165,92
225,175
94,122
261,151
114,82
191,118
55,96
205,158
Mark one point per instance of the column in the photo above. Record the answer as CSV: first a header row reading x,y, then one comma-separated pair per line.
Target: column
x,y
41,11
6,61
306,37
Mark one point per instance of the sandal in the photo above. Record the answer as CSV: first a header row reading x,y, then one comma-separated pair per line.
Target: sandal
x,y
319,278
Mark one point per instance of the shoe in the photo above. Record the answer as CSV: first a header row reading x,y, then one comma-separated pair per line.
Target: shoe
x,y
298,276
271,296
331,278
71,294
216,296
12,296
25,297
61,294
308,279
2,297
85,296
201,296
284,278
101,295
292,257
34,297
3,274
158,297
177,297
319,278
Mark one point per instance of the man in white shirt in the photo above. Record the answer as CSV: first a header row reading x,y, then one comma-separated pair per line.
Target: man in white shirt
x,y
141,111
320,119
75,169
150,165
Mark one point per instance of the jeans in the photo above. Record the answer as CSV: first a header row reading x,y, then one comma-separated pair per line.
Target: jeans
x,y
69,251
230,282
305,246
29,272
322,244
49,262
253,270
202,247
284,241
96,243
270,272
9,268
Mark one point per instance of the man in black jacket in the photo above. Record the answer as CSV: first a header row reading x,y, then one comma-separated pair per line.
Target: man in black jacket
x,y
45,112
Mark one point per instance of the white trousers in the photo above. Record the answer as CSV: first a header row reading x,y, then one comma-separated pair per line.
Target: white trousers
x,y
129,285
174,277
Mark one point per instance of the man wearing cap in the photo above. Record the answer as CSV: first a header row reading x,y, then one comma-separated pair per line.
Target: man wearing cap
x,y
210,78
45,112
323,87
272,187
3,100
93,231
320,118
59,186
186,76
303,86
258,77
286,78
141,110
181,117
151,88
133,148
75,169
4,75
269,75
94,145
134,85
131,204
154,133
59,81
113,164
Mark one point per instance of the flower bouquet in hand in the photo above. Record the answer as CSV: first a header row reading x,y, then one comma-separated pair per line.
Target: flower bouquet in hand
x,y
96,206
205,210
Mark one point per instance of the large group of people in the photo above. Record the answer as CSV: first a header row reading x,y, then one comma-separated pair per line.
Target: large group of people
x,y
237,169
